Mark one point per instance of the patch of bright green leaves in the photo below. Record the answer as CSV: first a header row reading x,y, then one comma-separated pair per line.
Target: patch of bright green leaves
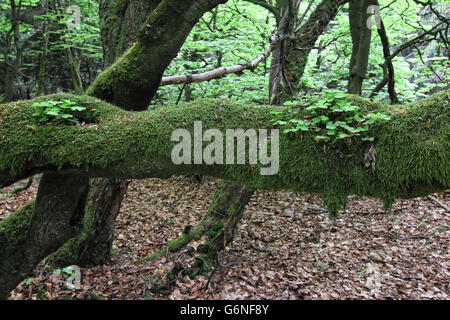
x,y
64,272
57,110
331,116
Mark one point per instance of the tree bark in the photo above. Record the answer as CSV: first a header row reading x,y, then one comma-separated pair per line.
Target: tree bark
x,y
361,39
120,22
388,67
132,81
219,223
41,227
290,62
93,243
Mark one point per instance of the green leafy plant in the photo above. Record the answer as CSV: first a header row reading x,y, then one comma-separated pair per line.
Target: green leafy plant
x,y
57,110
331,116
64,272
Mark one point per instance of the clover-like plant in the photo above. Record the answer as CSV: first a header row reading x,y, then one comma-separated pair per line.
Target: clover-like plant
x,y
57,111
332,117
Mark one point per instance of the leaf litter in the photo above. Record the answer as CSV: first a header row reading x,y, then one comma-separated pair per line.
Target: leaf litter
x,y
286,247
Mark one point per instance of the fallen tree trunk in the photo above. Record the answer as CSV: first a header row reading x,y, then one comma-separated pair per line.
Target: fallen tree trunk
x,y
412,148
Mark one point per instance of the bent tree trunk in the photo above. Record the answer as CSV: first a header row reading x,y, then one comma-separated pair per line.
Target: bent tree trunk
x,y
132,80
293,55
120,22
361,39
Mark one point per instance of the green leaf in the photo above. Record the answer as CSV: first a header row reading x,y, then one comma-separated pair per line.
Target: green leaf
x,y
52,113
316,120
331,126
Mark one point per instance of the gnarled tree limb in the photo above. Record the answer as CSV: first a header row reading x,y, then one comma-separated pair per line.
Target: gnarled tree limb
x,y
412,148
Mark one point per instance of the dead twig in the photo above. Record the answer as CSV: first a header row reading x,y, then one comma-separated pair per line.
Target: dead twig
x,y
436,201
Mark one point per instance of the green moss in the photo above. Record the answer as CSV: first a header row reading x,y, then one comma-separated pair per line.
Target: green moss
x,y
14,229
215,229
177,244
203,264
412,148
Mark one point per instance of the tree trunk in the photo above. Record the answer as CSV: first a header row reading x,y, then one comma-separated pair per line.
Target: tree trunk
x,y
132,81
74,61
120,22
361,39
41,227
92,245
220,222
224,214
290,61
388,68
43,59
277,81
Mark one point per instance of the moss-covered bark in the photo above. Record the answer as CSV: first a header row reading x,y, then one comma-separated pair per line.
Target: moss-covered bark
x,y
30,234
220,222
92,245
120,21
412,148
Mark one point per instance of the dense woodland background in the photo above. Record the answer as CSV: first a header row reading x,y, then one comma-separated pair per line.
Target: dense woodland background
x,y
41,55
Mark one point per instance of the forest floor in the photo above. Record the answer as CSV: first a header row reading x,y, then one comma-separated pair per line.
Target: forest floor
x,y
286,247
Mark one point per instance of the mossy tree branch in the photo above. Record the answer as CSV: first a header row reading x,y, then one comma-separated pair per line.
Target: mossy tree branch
x,y
412,148
134,78
412,160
